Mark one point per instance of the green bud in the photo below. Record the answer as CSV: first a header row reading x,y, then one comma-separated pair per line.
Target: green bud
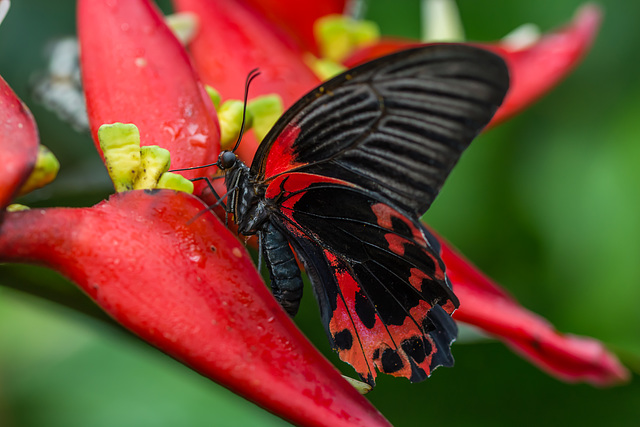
x,y
16,207
265,110
214,95
45,171
230,118
338,35
120,145
324,68
173,181
154,161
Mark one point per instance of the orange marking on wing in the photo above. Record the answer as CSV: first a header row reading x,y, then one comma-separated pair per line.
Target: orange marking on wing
x,y
396,243
385,213
449,307
416,278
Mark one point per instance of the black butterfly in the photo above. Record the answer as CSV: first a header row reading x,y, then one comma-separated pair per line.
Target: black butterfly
x,y
343,177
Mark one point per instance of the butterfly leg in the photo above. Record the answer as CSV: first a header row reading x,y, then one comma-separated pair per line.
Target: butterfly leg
x,y
213,191
286,283
213,206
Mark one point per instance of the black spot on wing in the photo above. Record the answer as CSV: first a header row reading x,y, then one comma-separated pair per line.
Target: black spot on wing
x,y
343,340
415,348
391,361
365,311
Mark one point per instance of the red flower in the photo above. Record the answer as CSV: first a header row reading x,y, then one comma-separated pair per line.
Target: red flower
x,y
189,288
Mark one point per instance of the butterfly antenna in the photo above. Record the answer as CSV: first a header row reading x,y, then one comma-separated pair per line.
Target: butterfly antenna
x,y
195,167
252,75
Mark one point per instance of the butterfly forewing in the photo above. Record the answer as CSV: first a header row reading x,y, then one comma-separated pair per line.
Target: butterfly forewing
x,y
396,125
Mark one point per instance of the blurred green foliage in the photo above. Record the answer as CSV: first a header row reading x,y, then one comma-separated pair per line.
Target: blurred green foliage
x,y
547,205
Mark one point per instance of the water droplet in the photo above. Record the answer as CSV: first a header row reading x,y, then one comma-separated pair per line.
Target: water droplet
x,y
141,62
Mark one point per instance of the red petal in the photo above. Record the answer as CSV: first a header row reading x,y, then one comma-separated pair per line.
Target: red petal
x,y
484,305
191,290
298,17
231,41
534,70
135,71
18,144
537,69
383,47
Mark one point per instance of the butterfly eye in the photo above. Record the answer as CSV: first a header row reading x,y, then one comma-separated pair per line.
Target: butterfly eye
x,y
227,160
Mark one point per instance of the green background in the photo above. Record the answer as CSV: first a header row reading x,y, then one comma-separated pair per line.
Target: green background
x,y
546,204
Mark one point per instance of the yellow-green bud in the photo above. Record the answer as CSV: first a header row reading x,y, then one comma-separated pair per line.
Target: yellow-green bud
x,y
324,68
363,388
214,95
120,145
230,118
265,110
16,207
45,171
173,181
338,35
154,161
183,25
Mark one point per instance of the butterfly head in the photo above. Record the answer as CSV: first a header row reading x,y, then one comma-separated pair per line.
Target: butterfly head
x,y
227,160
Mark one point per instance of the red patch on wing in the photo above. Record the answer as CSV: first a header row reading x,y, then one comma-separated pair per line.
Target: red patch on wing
x,y
416,278
384,214
297,182
280,158
396,243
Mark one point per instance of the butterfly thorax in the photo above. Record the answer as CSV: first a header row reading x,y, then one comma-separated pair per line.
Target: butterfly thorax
x,y
245,201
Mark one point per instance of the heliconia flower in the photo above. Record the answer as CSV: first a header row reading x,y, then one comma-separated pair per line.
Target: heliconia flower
x,y
488,307
535,67
156,261
564,356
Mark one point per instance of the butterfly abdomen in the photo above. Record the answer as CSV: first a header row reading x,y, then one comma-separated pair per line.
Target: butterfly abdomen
x,y
286,283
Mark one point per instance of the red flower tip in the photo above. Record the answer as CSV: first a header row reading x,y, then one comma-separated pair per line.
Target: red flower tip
x,y
18,144
486,306
184,284
297,18
538,68
533,70
134,70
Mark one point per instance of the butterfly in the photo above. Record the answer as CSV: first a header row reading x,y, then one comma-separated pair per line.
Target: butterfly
x,y
342,179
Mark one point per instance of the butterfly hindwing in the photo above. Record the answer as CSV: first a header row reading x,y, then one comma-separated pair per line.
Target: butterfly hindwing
x,y
383,293
395,126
